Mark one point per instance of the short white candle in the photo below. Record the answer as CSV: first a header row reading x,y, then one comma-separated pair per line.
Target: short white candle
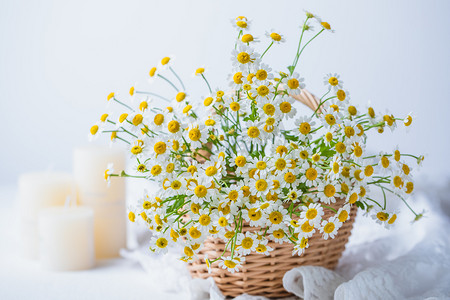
x,y
38,190
67,238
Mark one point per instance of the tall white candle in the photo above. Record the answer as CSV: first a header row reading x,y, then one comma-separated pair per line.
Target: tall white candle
x,y
67,238
89,166
108,202
38,190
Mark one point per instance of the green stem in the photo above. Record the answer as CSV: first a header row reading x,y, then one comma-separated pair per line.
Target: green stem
x,y
179,79
207,83
266,50
120,102
169,82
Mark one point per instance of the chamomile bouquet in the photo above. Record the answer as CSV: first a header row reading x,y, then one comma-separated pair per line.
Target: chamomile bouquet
x,y
243,155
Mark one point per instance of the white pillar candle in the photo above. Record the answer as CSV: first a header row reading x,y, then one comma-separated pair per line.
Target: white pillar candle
x,y
67,238
89,166
38,190
108,202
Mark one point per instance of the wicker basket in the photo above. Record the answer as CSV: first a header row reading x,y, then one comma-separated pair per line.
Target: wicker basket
x,y
263,275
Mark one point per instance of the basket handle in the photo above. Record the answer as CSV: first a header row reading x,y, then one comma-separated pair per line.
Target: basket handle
x,y
308,99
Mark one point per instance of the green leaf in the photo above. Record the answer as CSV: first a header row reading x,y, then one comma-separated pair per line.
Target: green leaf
x,y
291,68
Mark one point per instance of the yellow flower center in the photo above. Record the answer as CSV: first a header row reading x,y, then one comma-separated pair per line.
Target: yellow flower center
x,y
240,161
385,162
180,96
409,187
326,25
344,188
261,248
368,171
94,129
160,147
341,95
211,171
293,83
304,128
382,216
200,191
261,185
349,131
194,134
152,72
110,96
278,234
275,217
173,125
329,228
275,36
195,208
188,251
199,71
311,174
241,24
306,227
406,169
253,132
194,233
247,38
269,109
136,150
392,219
165,60
261,74
343,216
176,185
340,147
289,177
311,213
398,182
353,198
408,121
187,109
247,243
123,117
204,220
357,151
330,119
229,263
303,242
335,168
329,190
333,81
170,167
104,117
254,215
243,58
161,242
280,164
285,107
262,90
261,165
131,216
156,170
234,106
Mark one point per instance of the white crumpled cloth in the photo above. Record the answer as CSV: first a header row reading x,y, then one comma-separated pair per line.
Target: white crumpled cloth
x,y
411,261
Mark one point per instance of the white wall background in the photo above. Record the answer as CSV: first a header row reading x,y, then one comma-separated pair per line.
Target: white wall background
x,y
59,60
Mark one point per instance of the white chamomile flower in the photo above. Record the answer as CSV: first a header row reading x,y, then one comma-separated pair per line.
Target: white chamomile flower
x,y
262,247
262,72
304,126
251,133
330,117
313,213
301,246
381,216
159,243
259,185
275,36
196,135
95,131
286,107
243,57
248,38
241,23
310,174
332,81
166,62
246,243
109,170
328,191
330,227
199,190
231,264
263,91
294,84
343,214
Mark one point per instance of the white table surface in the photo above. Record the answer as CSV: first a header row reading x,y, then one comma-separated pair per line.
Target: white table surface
x,y
24,279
